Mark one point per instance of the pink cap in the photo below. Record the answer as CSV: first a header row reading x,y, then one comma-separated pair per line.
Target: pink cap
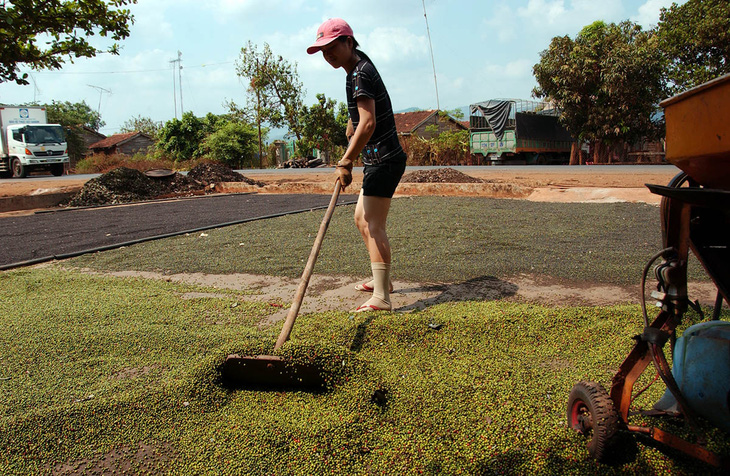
x,y
328,32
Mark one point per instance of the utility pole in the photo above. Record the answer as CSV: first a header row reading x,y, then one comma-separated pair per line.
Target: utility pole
x,y
258,114
179,80
101,91
177,65
438,106
174,88
36,91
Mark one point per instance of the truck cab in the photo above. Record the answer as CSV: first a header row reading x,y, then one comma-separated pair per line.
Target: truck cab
x,y
29,143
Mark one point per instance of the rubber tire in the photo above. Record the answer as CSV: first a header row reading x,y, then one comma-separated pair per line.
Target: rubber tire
x,y
19,171
591,413
57,170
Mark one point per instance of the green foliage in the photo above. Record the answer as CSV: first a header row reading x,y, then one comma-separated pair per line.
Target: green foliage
x,y
694,38
73,117
323,126
141,124
232,143
130,384
275,92
457,114
181,138
222,138
73,114
451,146
447,148
607,82
66,25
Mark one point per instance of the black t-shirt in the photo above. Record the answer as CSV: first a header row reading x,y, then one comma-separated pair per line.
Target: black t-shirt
x,y
365,81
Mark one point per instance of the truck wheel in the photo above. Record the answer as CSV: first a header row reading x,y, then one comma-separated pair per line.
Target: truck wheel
x,y
19,170
57,170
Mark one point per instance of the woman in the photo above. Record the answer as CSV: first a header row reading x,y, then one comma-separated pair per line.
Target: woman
x,y
376,139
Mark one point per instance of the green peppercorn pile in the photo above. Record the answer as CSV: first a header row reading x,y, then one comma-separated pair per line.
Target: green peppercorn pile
x,y
105,374
434,239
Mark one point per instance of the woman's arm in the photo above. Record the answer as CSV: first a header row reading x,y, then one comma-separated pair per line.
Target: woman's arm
x,y
365,129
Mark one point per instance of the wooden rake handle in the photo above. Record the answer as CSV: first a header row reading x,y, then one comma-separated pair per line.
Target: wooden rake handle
x,y
299,297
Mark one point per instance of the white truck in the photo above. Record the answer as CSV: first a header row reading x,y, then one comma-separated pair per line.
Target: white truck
x,y
29,143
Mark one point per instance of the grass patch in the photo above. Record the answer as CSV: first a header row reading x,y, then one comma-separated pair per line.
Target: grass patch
x,y
434,239
484,394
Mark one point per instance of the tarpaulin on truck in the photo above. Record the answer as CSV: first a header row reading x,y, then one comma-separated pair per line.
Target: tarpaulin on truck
x,y
496,112
540,127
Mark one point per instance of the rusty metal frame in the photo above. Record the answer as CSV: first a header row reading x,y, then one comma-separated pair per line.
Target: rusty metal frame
x,y
676,216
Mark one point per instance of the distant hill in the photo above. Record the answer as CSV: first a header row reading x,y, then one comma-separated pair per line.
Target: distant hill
x,y
410,109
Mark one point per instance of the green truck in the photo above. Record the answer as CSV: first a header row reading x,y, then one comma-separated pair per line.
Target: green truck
x,y
513,131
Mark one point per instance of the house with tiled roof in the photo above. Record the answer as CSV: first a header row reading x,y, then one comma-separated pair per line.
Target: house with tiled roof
x,y
414,126
415,123
90,136
128,143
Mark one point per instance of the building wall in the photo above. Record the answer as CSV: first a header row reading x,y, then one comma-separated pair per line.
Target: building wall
x,y
137,144
89,138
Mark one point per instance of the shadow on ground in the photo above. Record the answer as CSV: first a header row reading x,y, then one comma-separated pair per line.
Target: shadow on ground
x,y
483,288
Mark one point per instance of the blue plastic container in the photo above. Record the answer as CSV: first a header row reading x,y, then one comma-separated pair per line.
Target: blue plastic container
x,y
701,368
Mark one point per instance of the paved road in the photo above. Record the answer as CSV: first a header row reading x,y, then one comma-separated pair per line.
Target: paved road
x,y
58,234
252,173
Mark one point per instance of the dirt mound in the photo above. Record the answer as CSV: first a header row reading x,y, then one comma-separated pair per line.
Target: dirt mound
x,y
124,185
446,175
208,173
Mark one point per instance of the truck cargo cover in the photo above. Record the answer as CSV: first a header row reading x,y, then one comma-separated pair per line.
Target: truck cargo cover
x,y
540,127
496,112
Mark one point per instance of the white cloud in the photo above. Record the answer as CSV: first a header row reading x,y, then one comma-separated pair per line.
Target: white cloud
x,y
150,21
389,44
648,15
242,12
540,20
483,49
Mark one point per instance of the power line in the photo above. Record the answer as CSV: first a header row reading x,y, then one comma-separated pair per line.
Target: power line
x,y
128,71
428,31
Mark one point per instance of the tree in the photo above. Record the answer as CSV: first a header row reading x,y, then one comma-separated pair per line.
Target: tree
x,y
65,26
457,114
275,92
607,83
191,137
141,124
74,117
181,138
323,126
695,40
233,143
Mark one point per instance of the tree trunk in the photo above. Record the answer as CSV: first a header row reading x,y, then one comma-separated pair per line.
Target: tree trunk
x,y
599,152
575,153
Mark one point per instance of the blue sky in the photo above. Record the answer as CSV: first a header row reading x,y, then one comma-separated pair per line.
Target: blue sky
x,y
482,49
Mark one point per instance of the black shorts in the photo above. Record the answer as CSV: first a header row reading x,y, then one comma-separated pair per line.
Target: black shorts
x,y
382,179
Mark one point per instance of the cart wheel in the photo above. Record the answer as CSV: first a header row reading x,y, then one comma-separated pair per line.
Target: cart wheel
x,y
592,414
